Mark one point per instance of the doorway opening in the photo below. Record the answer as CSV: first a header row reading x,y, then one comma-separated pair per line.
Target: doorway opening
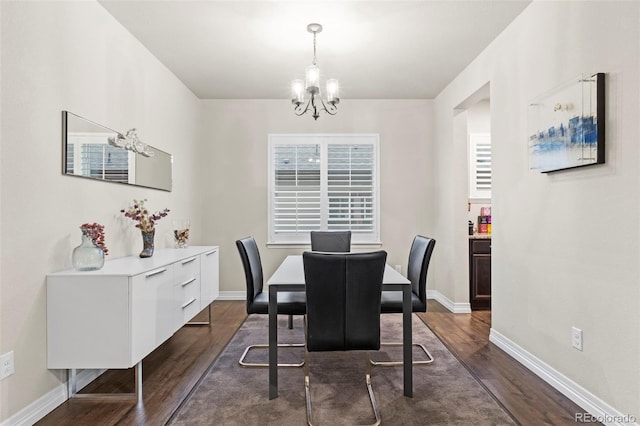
x,y
472,127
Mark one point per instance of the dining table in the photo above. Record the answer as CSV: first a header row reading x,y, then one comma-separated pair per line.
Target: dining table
x,y
290,277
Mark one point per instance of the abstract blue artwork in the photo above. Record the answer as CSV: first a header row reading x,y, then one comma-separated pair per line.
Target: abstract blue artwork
x,y
567,126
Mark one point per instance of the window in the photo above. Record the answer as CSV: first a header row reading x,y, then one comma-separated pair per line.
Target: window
x,y
323,182
479,165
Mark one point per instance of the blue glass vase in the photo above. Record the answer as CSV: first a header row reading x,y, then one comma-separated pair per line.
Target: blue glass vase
x,y
87,256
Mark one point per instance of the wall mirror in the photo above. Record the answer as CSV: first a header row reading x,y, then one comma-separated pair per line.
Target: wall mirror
x,y
86,153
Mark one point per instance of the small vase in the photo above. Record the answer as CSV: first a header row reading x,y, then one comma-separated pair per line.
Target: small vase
x,y
87,256
181,232
147,243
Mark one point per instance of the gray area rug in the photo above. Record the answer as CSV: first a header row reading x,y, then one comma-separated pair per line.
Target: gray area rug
x,y
445,393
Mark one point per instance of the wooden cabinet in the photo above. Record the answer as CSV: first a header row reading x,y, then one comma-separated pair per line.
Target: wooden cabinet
x,y
480,273
114,317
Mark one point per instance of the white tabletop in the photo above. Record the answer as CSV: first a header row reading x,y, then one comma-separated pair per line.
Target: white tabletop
x,y
291,271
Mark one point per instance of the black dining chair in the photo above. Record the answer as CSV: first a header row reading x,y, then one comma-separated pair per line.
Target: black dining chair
x,y
289,303
343,308
419,258
331,241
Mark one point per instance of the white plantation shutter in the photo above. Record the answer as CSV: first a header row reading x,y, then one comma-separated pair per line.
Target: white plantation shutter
x,y
350,188
480,165
296,195
323,182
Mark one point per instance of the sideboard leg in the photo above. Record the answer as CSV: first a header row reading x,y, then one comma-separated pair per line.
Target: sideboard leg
x,y
138,372
72,384
208,322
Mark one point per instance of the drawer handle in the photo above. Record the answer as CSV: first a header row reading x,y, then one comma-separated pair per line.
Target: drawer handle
x,y
184,262
188,303
159,271
188,282
211,252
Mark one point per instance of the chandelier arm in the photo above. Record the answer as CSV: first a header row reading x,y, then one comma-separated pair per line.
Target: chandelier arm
x,y
332,110
298,109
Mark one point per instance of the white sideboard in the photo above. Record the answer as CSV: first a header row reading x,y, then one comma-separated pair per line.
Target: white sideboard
x,y
114,317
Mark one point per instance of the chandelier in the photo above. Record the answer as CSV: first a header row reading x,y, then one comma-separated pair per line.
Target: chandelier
x,y
315,104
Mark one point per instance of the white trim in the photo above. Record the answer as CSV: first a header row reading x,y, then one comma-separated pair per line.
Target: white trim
x,y
455,307
48,402
576,393
232,295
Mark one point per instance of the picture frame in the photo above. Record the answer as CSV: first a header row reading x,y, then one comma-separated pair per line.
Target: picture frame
x,y
567,126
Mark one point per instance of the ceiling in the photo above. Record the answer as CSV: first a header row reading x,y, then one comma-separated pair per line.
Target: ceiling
x,y
377,49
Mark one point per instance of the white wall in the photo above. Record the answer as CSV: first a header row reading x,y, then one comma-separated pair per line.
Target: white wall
x,y
74,56
565,245
235,156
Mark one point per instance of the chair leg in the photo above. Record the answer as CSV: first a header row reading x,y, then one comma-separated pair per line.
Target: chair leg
x,y
307,392
396,363
265,365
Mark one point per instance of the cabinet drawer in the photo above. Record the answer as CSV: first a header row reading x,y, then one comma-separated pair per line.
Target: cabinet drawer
x,y
481,246
188,297
187,269
188,287
190,309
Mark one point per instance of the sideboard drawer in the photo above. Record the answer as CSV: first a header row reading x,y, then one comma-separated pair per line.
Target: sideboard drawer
x,y
187,269
188,296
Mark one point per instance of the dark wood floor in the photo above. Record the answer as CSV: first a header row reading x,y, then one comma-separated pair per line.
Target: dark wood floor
x,y
528,399
173,370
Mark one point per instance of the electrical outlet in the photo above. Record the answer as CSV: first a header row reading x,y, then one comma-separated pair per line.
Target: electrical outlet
x,y
398,268
6,365
576,338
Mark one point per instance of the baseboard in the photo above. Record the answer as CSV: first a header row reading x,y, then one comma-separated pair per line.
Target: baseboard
x,y
232,295
455,307
49,401
594,406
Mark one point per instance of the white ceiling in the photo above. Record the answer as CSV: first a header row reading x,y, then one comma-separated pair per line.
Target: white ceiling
x,y
377,49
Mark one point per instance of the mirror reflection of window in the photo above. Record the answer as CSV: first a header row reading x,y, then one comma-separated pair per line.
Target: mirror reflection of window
x,y
96,159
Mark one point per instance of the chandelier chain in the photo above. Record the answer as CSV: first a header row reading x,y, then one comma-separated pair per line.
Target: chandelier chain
x,y
314,48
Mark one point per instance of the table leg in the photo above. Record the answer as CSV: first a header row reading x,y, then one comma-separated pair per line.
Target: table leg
x,y
407,341
273,341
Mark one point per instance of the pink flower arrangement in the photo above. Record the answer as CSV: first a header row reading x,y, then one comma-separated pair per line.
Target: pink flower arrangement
x,y
95,231
139,213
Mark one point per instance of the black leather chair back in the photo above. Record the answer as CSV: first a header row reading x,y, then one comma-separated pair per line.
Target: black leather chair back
x,y
331,241
419,257
343,300
252,264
